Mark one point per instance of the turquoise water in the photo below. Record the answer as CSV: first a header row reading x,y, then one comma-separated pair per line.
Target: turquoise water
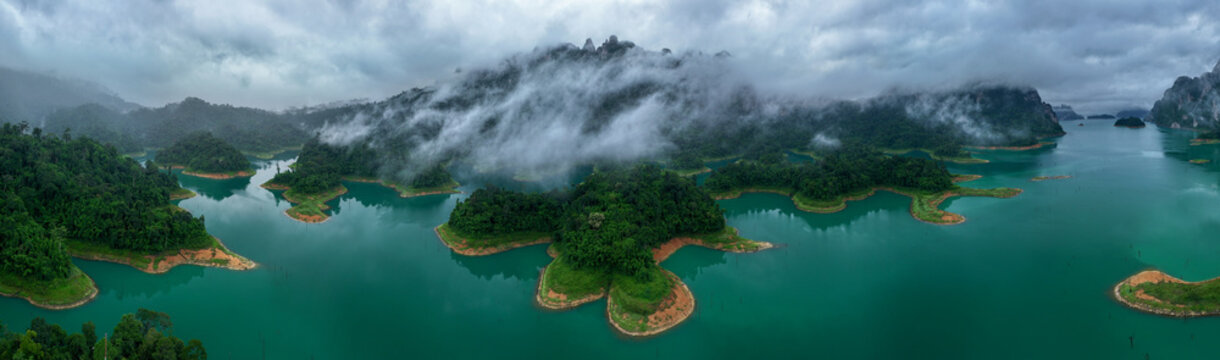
x,y
1027,277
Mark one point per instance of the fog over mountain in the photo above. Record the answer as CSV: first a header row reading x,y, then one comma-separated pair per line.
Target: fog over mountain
x,y
1099,56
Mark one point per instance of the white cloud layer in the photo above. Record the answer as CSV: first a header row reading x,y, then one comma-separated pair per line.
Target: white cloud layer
x,y
1098,55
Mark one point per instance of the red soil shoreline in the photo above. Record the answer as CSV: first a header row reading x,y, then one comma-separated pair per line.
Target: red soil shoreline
x,y
1156,276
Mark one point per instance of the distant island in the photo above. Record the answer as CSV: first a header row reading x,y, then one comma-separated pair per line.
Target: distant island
x,y
102,206
1190,103
318,174
202,155
609,235
1101,117
1130,122
850,174
1158,293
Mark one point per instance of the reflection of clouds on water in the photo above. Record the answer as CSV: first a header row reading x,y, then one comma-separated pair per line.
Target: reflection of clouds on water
x,y
1202,189
1152,154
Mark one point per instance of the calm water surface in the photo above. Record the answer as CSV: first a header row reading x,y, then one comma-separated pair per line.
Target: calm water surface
x,y
1023,277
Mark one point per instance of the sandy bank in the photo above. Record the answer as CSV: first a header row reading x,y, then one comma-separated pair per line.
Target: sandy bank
x,y
670,247
675,309
219,256
462,245
559,301
1156,276
219,176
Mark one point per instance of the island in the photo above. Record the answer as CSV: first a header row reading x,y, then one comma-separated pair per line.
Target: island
x,y
318,174
1199,161
1207,138
1101,117
1158,293
202,155
610,233
1045,178
851,173
146,334
104,207
1130,122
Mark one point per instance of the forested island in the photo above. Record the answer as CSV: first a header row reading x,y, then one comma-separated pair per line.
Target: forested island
x,y
75,197
1130,122
610,233
317,177
1158,293
146,334
850,173
200,154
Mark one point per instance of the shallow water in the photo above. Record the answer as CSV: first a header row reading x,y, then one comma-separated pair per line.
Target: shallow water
x,y
1024,277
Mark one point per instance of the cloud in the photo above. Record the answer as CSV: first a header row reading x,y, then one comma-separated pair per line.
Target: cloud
x,y
1097,55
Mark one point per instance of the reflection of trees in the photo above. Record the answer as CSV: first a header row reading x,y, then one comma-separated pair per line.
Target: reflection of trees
x,y
211,188
688,262
141,284
518,264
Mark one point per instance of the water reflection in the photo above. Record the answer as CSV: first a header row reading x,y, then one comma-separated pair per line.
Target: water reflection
x,y
212,188
138,286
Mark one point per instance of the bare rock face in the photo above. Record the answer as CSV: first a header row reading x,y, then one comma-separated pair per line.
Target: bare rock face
x,y
1191,103
589,45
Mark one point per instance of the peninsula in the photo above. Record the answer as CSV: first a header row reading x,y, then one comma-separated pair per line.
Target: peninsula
x,y
610,234
202,155
109,208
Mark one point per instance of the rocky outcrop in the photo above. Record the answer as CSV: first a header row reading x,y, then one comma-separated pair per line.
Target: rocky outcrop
x,y
1192,103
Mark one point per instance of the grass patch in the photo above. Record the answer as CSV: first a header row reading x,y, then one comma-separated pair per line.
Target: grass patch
x,y
633,299
181,193
138,259
691,172
925,205
563,278
456,239
966,160
268,155
1177,297
728,239
1199,161
58,292
309,207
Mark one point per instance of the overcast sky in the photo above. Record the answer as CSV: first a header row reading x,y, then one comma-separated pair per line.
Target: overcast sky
x,y
1096,55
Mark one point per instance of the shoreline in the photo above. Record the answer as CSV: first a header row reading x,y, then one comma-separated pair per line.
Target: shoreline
x,y
681,301
218,256
667,249
1012,148
947,218
1157,276
89,296
404,191
219,176
179,195
465,249
1045,178
563,303
293,199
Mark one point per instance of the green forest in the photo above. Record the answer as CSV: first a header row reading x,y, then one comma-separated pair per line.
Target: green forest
x,y
607,224
321,167
845,171
61,190
145,335
202,152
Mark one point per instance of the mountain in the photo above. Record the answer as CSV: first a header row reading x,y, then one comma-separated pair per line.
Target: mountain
x,y
30,97
248,129
1192,103
548,110
1135,113
1065,112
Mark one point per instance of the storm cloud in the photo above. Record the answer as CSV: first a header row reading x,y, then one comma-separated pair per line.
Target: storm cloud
x,y
1100,56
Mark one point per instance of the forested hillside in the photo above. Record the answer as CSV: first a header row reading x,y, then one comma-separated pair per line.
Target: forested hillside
x,y
201,152
144,335
59,190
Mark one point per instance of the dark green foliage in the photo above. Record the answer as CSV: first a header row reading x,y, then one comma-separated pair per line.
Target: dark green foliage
x,y
97,122
131,339
1130,122
245,128
843,172
203,153
493,211
607,223
321,166
433,177
1210,135
55,190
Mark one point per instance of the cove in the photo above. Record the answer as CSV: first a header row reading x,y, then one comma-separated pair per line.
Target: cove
x,y
1025,277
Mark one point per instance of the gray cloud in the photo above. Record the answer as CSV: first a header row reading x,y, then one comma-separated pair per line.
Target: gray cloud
x,y
1097,55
